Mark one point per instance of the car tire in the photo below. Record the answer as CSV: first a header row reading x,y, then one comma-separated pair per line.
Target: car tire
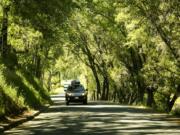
x,y
85,102
67,102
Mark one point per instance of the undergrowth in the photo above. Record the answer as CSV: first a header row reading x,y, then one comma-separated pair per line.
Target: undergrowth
x,y
20,91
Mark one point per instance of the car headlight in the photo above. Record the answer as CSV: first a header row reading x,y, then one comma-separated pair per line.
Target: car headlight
x,y
69,94
83,94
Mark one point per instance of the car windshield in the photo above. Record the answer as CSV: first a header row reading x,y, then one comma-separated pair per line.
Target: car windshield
x,y
78,89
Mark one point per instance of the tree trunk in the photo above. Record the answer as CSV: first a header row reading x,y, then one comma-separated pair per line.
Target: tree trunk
x,y
98,85
114,96
49,81
59,75
103,89
140,90
150,96
107,89
94,95
4,47
38,67
86,50
173,100
171,103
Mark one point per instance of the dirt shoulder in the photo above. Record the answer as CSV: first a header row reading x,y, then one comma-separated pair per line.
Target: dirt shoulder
x,y
11,121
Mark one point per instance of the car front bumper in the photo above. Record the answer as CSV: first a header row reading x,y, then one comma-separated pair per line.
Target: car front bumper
x,y
76,98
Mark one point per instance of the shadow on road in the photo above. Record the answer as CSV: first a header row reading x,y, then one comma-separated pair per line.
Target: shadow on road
x,y
96,118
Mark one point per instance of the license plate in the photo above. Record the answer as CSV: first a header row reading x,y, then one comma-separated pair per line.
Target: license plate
x,y
76,97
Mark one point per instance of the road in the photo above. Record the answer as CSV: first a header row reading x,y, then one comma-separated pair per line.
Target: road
x,y
97,118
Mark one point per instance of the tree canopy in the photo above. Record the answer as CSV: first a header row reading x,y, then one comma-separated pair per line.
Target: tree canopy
x,y
127,51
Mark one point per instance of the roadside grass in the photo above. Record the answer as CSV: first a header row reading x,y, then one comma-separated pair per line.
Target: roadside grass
x,y
20,91
178,101
176,108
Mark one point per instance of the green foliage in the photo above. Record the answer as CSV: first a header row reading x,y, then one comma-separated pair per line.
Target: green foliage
x,y
127,43
118,48
19,90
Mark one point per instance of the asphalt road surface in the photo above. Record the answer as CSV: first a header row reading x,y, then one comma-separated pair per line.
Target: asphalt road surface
x,y
97,118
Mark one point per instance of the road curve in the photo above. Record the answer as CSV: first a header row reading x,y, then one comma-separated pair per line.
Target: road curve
x,y
97,118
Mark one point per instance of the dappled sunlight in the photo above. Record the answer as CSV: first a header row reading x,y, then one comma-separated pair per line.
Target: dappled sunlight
x,y
96,118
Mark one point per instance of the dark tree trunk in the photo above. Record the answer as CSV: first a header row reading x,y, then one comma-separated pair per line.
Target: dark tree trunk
x,y
59,75
133,98
173,100
94,95
38,67
91,63
150,96
37,63
98,85
171,103
137,65
103,89
107,89
140,89
4,47
121,96
49,81
86,50
114,96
